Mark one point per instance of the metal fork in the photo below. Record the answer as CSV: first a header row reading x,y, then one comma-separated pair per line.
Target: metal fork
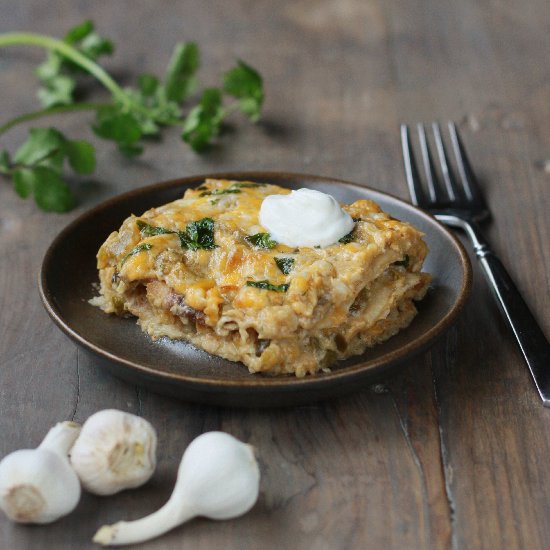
x,y
462,205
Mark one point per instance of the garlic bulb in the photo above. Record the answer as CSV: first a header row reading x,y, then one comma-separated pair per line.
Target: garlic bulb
x,y
116,450
39,485
218,477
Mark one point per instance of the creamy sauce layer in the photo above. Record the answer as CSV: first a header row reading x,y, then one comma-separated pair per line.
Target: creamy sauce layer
x,y
305,217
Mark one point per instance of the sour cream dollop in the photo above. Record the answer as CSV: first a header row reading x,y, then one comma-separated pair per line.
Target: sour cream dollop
x,y
305,217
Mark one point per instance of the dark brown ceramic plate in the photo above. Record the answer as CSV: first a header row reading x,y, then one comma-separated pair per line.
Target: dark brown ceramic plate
x,y
177,368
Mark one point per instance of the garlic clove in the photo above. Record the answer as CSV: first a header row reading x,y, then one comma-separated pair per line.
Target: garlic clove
x,y
218,477
116,450
39,485
221,475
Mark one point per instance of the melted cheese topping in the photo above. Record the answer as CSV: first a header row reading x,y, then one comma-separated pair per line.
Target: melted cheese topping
x,y
330,303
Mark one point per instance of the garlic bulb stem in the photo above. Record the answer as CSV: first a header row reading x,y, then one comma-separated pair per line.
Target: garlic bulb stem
x,y
218,478
172,514
61,438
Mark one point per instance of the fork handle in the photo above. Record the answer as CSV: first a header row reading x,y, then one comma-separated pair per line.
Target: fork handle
x,y
531,339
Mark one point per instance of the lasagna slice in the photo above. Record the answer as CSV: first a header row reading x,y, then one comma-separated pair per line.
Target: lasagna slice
x,y
203,270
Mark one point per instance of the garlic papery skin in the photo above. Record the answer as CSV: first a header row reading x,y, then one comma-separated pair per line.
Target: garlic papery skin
x,y
116,450
39,485
218,477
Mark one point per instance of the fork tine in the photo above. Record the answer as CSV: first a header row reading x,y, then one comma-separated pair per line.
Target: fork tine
x,y
429,168
467,177
450,184
411,171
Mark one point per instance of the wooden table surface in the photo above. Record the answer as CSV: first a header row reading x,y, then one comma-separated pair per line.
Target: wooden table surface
x,y
450,452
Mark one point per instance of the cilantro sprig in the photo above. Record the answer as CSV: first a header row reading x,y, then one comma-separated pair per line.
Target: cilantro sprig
x,y
266,285
148,230
58,75
197,235
227,191
261,240
37,166
285,264
247,185
245,83
404,262
136,250
348,238
129,118
232,189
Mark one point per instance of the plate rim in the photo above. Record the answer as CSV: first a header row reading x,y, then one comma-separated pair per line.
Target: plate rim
x,y
310,382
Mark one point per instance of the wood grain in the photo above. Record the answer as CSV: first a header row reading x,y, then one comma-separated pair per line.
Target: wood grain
x,y
452,451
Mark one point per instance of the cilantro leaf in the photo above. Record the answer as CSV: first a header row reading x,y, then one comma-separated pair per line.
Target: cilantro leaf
x,y
227,191
80,31
51,193
136,250
119,127
23,182
38,164
204,120
94,45
151,230
245,83
233,188
81,155
5,162
404,262
57,90
42,144
198,234
49,68
116,125
180,81
153,109
48,147
266,285
246,185
56,73
285,264
347,238
261,240
88,42
148,84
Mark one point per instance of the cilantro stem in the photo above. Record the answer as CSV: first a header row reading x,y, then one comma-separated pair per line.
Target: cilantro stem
x,y
49,43
68,51
51,111
61,47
